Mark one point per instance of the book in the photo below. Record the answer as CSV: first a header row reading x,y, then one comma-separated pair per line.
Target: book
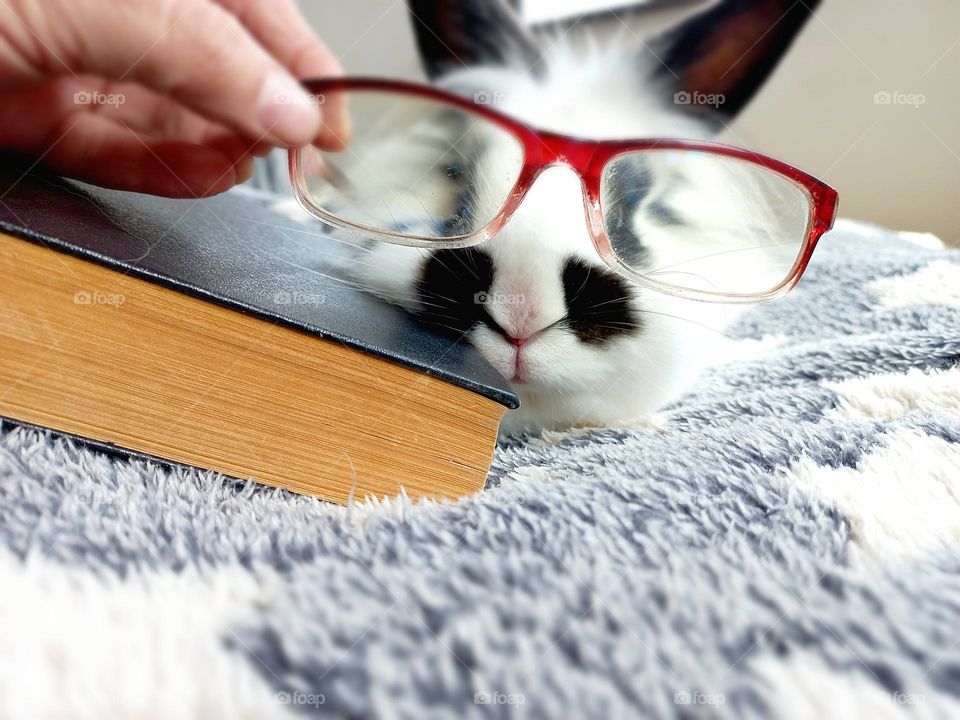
x,y
208,333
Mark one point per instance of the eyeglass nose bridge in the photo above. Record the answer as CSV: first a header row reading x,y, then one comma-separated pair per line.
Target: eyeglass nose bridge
x,y
555,149
584,159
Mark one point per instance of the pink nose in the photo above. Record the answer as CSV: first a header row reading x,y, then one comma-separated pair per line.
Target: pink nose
x,y
517,342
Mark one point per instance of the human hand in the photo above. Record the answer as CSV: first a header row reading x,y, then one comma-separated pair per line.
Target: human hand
x,y
169,97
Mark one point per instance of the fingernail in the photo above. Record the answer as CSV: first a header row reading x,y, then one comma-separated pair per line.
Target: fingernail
x,y
287,114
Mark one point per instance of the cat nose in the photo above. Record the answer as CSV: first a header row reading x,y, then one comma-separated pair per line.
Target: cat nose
x,y
518,341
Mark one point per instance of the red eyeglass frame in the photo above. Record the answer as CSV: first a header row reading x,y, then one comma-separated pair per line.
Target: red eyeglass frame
x,y
588,158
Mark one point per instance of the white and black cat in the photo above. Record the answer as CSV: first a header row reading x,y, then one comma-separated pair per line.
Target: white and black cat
x,y
596,349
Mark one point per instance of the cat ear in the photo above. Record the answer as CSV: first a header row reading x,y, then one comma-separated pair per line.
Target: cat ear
x,y
715,61
453,34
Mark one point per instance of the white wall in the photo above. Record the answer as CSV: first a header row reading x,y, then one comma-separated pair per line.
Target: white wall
x,y
898,165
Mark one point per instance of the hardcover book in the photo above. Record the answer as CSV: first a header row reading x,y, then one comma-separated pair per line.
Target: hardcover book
x,y
210,333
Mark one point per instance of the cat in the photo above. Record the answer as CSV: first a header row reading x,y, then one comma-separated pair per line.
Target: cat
x,y
579,344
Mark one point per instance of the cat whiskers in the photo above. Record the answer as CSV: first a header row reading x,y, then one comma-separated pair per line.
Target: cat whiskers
x,y
693,322
619,325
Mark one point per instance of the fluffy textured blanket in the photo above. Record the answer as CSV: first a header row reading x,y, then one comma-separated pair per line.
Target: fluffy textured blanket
x,y
787,546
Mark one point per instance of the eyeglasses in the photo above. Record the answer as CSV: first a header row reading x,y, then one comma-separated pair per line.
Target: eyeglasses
x,y
414,165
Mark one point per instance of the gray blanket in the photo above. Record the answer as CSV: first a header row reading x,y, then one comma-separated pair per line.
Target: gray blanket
x,y
785,545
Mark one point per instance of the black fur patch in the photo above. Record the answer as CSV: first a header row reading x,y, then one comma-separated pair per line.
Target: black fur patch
x,y
452,289
598,303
